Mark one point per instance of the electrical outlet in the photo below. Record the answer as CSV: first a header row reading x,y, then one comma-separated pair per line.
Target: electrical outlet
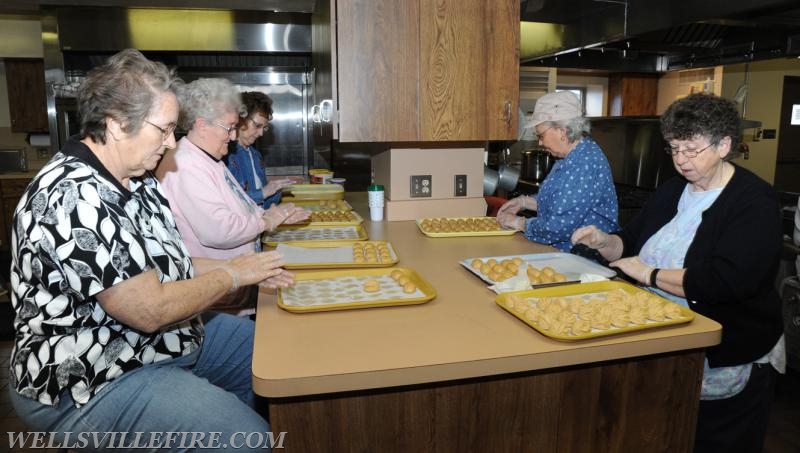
x,y
421,186
460,189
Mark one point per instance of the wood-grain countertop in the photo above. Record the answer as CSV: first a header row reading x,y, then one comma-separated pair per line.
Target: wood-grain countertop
x,y
460,334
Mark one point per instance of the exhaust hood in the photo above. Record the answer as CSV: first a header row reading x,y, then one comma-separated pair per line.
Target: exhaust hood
x,y
656,36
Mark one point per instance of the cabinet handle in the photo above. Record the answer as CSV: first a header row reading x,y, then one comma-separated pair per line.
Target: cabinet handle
x,y
322,112
507,113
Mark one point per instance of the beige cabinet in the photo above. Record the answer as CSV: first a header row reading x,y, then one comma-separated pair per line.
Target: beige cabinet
x,y
419,70
26,95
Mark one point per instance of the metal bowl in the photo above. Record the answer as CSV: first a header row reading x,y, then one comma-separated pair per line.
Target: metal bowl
x,y
490,179
508,177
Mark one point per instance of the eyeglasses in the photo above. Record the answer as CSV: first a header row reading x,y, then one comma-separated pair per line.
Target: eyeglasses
x,y
265,126
688,153
540,135
228,129
165,131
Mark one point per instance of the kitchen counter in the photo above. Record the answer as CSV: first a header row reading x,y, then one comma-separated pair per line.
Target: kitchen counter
x,y
412,355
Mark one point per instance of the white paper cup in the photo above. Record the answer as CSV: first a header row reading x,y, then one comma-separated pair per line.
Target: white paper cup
x,y
376,213
375,198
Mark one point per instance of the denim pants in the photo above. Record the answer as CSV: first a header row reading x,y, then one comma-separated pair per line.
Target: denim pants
x,y
208,391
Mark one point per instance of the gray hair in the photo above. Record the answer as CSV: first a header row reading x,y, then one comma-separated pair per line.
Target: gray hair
x,y
576,128
126,88
209,99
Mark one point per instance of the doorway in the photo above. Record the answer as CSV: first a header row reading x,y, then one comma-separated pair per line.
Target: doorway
x,y
787,165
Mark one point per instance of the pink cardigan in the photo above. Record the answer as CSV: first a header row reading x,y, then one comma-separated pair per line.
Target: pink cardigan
x,y
214,215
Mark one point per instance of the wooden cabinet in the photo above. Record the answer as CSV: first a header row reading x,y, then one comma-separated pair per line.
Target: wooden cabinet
x,y
11,191
420,70
632,94
26,95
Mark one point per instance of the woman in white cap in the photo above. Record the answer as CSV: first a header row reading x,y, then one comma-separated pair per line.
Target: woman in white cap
x,y
578,191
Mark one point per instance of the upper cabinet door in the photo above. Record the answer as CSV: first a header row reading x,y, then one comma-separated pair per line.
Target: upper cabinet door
x,y
378,70
26,95
424,70
469,69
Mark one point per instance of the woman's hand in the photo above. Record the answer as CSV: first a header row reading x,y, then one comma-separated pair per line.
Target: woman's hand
x,y
283,280
284,213
253,268
296,214
274,185
511,221
590,236
634,267
517,204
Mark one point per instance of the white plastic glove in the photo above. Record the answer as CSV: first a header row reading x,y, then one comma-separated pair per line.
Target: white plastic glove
x,y
284,213
275,185
515,205
591,236
511,221
253,268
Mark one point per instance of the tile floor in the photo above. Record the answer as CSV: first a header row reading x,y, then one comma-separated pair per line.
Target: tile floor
x,y
783,436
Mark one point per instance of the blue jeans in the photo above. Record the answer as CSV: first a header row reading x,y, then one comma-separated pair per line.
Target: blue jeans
x,y
208,391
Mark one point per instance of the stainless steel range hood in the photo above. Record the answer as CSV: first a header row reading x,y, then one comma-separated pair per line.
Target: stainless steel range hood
x,y
657,36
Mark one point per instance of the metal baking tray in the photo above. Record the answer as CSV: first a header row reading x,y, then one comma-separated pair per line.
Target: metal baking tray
x,y
332,255
572,266
582,295
454,234
344,290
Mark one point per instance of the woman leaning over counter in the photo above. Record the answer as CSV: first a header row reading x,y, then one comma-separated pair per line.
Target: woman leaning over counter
x,y
108,336
710,239
215,216
578,190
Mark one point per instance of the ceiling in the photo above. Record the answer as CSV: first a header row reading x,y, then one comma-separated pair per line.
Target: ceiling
x,y
657,35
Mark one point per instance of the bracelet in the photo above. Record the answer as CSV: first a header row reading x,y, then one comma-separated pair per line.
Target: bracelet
x,y
653,277
234,278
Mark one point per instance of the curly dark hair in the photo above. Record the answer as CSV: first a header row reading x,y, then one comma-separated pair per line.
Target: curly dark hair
x,y
125,88
703,115
256,102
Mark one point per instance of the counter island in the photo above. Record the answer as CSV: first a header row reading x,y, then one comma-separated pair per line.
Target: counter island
x,y
459,373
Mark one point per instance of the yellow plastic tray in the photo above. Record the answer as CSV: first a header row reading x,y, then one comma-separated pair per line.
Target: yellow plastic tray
x,y
455,234
273,241
587,291
313,192
328,290
352,264
354,219
323,205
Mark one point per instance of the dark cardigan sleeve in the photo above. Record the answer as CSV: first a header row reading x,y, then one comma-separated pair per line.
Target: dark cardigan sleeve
x,y
743,235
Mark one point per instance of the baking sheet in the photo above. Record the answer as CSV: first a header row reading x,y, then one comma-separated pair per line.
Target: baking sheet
x,y
323,205
572,266
557,311
313,192
498,231
334,255
344,290
310,233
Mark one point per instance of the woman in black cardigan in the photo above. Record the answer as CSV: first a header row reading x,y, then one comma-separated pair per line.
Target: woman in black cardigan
x,y
710,240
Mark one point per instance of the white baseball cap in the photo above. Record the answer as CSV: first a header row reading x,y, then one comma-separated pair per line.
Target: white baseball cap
x,y
561,105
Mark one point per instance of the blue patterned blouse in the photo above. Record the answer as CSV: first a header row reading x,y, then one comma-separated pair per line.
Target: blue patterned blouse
x,y
246,165
578,191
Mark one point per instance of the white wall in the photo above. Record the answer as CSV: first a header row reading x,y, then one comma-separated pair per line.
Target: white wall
x,y
596,91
